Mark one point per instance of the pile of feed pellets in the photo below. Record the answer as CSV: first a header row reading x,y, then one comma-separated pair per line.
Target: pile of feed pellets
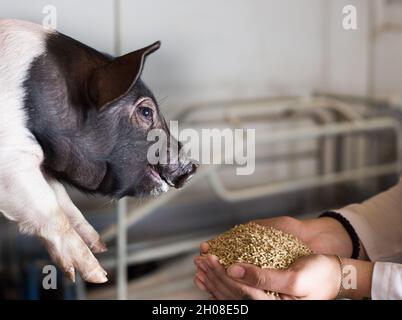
x,y
259,245
263,246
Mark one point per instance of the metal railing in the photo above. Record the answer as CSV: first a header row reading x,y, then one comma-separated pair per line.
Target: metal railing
x,y
352,127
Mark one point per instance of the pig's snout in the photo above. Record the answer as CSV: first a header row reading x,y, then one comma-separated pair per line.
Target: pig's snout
x,y
185,175
177,177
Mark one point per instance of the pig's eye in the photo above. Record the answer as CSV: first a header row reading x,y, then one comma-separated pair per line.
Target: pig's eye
x,y
146,112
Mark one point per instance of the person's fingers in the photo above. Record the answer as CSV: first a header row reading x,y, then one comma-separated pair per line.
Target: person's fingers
x,y
217,268
204,247
200,263
281,281
200,274
216,289
220,272
213,276
238,290
200,285
216,286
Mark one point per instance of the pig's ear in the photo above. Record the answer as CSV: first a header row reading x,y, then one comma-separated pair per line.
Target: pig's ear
x,y
114,80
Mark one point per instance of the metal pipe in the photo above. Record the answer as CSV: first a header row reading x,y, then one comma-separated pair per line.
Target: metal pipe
x,y
117,28
143,211
121,244
353,145
184,114
331,130
122,249
158,252
371,49
137,214
317,107
324,116
294,185
80,288
328,148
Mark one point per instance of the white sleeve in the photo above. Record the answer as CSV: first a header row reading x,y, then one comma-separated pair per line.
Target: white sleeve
x,y
378,223
386,281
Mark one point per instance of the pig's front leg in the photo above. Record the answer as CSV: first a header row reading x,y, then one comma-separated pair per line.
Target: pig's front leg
x,y
27,198
77,220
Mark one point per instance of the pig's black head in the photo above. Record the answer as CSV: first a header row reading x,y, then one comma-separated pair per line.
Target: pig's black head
x,y
97,141
128,112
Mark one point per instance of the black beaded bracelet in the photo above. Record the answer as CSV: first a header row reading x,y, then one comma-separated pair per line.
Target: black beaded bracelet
x,y
349,229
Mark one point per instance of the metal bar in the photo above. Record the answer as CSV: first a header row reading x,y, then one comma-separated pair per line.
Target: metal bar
x,y
325,117
141,212
184,114
327,131
145,210
328,145
117,27
294,185
122,203
159,251
80,288
352,143
138,214
371,49
333,130
122,249
330,130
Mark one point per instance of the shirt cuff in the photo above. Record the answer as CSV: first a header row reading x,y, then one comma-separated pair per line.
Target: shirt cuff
x,y
386,281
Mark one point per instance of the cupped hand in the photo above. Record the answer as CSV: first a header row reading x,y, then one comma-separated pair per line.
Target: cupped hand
x,y
314,277
325,236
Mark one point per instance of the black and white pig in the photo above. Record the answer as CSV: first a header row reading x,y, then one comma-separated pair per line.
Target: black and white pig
x,y
70,113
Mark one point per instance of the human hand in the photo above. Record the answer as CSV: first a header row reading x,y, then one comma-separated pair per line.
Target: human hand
x,y
322,235
316,277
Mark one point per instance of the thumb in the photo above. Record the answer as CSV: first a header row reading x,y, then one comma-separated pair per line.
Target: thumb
x,y
204,248
265,279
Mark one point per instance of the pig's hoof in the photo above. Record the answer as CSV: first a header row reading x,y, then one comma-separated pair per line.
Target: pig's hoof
x,y
98,247
90,237
96,276
70,252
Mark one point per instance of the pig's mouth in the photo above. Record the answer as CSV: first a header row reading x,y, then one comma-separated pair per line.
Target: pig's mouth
x,y
176,179
159,179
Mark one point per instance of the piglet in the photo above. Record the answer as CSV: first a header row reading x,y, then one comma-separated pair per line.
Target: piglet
x,y
72,114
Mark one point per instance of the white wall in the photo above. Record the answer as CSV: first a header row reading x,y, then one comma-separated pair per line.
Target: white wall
x,y
388,68
345,51
388,51
90,21
219,49
215,49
